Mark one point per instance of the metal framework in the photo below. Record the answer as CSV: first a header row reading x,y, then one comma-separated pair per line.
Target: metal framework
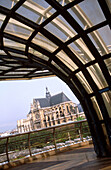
x,y
70,39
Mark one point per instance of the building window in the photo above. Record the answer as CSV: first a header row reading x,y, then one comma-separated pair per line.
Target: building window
x,y
67,109
48,118
53,122
58,121
38,125
37,116
61,114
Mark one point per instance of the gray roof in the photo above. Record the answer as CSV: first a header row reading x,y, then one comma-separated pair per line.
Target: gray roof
x,y
43,102
59,98
56,99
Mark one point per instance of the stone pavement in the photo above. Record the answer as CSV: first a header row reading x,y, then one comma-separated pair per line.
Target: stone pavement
x,y
83,158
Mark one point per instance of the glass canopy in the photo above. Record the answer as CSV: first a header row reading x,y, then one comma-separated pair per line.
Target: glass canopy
x,y
67,38
75,35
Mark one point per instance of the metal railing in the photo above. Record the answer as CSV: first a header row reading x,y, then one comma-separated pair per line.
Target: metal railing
x,y
29,143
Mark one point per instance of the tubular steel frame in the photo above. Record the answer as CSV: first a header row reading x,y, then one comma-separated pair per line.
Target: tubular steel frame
x,y
38,67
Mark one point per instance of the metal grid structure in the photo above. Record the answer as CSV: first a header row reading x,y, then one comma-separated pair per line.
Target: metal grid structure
x,y
70,39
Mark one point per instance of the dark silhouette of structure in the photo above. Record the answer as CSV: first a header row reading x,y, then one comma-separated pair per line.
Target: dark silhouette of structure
x,y
67,39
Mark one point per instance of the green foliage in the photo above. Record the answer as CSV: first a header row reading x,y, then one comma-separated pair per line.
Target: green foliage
x,y
80,118
44,138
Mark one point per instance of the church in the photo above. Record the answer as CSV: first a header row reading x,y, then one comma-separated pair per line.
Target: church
x,y
49,111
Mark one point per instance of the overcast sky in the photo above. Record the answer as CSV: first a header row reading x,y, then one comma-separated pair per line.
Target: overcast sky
x,y
16,97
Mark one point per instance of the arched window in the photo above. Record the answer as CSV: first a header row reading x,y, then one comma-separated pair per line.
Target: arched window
x,y
48,118
68,109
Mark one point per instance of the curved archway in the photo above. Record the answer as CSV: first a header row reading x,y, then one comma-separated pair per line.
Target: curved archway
x,y
66,39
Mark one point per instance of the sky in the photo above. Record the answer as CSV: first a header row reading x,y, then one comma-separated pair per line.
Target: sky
x,y
16,97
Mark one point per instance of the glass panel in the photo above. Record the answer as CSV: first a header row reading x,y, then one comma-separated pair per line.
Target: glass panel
x,y
2,52
97,76
81,51
13,44
63,2
92,12
38,54
78,53
18,55
8,59
42,3
84,82
4,68
2,18
66,60
108,64
60,28
53,63
13,65
8,3
45,43
96,106
28,12
75,13
101,38
34,12
99,43
107,100
16,73
105,33
16,28
87,13
71,32
28,69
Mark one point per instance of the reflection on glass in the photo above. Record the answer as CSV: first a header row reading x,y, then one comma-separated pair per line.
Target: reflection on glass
x,y
60,28
15,27
92,14
97,76
57,66
37,11
96,107
108,64
84,82
13,44
79,50
2,18
44,42
66,60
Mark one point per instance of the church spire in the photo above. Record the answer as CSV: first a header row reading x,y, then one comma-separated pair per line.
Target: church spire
x,y
48,95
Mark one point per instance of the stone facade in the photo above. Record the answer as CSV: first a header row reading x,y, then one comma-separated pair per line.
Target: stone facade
x,y
61,110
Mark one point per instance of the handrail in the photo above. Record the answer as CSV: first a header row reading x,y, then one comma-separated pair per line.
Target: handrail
x,y
42,129
53,133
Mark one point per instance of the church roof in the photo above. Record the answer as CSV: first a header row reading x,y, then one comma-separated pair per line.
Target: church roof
x,y
56,99
43,102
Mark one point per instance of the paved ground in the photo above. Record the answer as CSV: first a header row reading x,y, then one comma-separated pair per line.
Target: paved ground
x,y
78,159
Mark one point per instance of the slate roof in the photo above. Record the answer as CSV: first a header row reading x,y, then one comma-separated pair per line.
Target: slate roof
x,y
56,99
43,102
59,98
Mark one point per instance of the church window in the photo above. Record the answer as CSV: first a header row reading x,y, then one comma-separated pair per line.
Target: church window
x,y
68,109
58,121
37,116
48,118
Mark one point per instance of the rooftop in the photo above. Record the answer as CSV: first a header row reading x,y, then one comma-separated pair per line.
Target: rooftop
x,y
52,100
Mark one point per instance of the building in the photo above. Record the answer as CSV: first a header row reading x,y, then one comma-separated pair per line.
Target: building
x,y
49,111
